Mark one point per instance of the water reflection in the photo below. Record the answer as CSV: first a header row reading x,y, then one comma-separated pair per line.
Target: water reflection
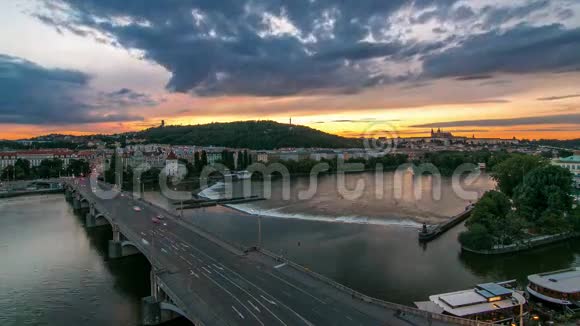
x,y
519,265
55,273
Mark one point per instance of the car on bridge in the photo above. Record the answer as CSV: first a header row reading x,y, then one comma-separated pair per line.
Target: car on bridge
x,y
156,220
136,208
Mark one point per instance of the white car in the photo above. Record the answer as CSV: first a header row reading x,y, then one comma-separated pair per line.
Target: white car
x,y
136,208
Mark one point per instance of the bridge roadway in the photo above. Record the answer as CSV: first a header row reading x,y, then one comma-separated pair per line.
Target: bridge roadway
x,y
211,282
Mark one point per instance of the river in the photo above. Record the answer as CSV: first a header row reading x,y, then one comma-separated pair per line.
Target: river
x,y
55,272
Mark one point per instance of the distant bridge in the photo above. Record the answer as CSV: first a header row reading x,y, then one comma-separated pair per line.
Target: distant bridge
x,y
209,281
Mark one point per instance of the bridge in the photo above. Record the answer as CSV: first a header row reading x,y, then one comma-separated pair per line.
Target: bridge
x,y
209,281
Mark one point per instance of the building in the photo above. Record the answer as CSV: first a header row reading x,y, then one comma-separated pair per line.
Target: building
x,y
560,287
262,156
441,134
572,163
172,166
213,155
7,159
326,154
36,156
486,302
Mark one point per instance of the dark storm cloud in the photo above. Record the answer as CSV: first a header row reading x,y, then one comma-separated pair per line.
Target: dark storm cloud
x,y
276,47
497,16
563,119
523,49
32,94
556,98
125,97
228,47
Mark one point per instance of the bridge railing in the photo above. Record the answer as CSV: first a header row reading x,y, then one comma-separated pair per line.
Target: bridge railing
x,y
128,233
389,305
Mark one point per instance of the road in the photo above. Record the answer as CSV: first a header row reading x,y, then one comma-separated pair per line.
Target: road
x,y
217,285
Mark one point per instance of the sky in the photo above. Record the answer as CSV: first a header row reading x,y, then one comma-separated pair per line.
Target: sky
x,y
397,68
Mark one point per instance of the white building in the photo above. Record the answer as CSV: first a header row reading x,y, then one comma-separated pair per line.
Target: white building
x,y
171,165
36,156
262,157
572,163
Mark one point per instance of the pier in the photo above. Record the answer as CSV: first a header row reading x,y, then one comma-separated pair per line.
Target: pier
x,y
428,233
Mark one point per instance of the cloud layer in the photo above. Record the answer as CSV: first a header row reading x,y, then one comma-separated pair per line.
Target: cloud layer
x,y
278,48
561,119
32,94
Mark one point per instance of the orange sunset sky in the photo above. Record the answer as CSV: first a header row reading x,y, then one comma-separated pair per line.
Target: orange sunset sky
x,y
89,67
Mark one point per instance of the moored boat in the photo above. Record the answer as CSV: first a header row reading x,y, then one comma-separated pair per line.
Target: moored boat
x,y
489,302
561,287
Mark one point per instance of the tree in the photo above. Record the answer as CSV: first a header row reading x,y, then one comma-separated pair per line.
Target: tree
x,y
490,210
22,169
203,160
574,219
8,173
190,168
50,168
78,167
544,193
477,237
197,162
111,173
151,177
565,153
248,160
510,173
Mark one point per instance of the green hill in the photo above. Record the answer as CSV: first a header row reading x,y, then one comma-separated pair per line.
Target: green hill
x,y
246,134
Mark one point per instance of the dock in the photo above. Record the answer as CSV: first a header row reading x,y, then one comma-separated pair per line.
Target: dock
x,y
428,233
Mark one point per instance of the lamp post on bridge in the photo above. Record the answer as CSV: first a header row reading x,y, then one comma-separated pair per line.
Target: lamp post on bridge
x,y
259,231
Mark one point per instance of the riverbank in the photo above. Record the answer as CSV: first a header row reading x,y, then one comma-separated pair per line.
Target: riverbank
x,y
11,194
528,244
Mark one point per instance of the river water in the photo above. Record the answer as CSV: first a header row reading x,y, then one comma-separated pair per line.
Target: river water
x,y
55,272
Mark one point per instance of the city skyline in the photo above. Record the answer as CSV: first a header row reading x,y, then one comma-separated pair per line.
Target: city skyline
x,y
484,68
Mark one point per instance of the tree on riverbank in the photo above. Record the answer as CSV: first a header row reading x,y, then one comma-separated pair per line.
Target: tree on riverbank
x,y
541,203
544,198
492,218
510,173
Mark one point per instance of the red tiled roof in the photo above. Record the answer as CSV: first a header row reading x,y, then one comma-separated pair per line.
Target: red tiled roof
x,y
171,156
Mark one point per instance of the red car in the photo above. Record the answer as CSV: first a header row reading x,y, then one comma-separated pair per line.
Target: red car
x,y
155,220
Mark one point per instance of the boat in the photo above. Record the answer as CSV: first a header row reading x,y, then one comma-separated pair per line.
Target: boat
x,y
561,287
490,302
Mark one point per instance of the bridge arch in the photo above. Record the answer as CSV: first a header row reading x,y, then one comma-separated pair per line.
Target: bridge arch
x,y
129,243
164,305
103,217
